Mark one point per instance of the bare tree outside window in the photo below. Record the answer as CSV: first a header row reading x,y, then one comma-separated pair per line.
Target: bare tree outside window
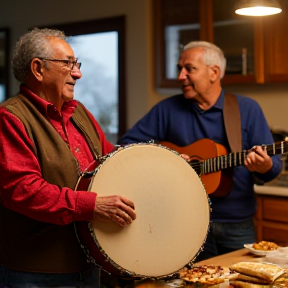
x,y
100,47
98,87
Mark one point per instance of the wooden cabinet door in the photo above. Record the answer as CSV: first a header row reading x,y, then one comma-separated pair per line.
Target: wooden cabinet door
x,y
271,219
263,38
275,29
176,22
234,34
270,49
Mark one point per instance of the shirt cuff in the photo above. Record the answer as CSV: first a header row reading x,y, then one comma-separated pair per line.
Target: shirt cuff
x,y
85,205
272,173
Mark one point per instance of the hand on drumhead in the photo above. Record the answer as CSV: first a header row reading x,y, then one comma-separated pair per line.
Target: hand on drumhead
x,y
114,208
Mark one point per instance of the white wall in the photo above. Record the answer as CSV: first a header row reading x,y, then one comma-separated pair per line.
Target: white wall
x,y
273,99
20,15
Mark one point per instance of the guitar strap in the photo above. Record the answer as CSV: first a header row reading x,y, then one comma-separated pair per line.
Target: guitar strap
x,y
232,122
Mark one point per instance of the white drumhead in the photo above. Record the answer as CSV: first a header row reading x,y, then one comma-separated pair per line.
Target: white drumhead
x,y
171,205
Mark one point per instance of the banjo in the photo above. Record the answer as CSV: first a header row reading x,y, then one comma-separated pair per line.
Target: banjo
x,y
172,210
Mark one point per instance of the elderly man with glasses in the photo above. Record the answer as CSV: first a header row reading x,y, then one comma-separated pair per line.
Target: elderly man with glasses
x,y
47,141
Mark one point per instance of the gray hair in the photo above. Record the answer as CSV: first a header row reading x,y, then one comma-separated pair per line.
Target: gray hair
x,y
32,44
213,54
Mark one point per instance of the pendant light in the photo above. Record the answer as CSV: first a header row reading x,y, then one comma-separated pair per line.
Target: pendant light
x,y
257,7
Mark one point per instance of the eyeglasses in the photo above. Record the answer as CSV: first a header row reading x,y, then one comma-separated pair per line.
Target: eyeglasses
x,y
70,63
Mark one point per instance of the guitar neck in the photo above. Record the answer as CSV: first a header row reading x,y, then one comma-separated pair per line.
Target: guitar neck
x,y
237,159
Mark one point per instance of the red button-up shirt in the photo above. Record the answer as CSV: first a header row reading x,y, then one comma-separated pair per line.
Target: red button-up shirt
x,y
22,187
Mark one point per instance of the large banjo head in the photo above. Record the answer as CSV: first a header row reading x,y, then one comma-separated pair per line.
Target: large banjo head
x,y
172,210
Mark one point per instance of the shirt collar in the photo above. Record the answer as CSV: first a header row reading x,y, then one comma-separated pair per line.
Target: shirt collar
x,y
45,107
219,104
220,101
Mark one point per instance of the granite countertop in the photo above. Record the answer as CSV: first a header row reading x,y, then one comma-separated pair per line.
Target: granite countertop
x,y
277,187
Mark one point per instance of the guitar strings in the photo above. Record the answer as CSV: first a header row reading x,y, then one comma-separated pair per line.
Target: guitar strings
x,y
235,156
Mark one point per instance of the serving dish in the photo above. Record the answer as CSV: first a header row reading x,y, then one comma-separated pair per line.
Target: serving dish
x,y
256,252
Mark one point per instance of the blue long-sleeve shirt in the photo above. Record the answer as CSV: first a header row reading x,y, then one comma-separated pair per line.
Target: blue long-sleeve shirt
x,y
181,122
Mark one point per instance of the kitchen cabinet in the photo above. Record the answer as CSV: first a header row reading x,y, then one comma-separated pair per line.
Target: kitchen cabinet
x,y
255,47
175,21
272,45
271,218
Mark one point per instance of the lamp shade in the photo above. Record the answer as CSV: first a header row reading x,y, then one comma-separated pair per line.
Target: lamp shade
x,y
257,7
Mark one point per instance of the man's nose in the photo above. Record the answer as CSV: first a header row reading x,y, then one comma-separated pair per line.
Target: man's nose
x,y
182,75
76,73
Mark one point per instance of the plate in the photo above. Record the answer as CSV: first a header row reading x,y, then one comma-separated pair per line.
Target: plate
x,y
256,252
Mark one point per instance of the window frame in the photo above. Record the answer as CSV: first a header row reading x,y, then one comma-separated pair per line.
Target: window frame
x,y
6,69
99,26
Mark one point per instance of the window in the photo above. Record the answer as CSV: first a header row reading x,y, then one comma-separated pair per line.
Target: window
x,y
4,63
99,46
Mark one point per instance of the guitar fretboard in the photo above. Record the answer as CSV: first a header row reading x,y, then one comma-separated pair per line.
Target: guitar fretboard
x,y
236,159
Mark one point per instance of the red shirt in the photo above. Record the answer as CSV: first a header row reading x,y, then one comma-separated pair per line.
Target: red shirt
x,y
22,187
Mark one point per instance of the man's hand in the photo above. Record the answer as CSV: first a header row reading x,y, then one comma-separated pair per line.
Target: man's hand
x,y
114,208
258,160
185,156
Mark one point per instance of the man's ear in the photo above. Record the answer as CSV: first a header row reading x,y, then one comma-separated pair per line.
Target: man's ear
x,y
36,66
214,73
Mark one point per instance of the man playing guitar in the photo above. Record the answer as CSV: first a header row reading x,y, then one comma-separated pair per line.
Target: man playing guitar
x,y
196,118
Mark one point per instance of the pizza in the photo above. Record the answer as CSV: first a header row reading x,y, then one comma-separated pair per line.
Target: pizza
x,y
207,274
264,271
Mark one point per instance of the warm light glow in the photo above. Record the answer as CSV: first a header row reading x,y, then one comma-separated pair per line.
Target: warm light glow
x,y
258,11
257,7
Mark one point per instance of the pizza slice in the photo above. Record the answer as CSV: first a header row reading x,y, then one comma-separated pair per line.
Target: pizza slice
x,y
207,274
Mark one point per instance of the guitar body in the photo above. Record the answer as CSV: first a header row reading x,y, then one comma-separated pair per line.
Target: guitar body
x,y
218,183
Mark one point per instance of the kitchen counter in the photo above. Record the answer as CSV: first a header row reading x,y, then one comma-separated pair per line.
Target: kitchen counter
x,y
271,190
277,187
224,260
232,258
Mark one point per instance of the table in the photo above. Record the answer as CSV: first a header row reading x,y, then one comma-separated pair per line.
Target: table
x,y
232,258
225,260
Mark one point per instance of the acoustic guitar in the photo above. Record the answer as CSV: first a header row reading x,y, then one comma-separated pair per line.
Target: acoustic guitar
x,y
213,164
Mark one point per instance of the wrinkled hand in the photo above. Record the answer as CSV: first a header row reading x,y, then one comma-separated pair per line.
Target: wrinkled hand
x,y
114,208
258,160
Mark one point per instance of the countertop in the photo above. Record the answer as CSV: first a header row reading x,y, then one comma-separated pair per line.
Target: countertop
x,y
232,258
271,190
224,260
277,187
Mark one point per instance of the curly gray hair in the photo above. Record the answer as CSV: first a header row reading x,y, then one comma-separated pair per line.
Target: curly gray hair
x,y
213,54
32,44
